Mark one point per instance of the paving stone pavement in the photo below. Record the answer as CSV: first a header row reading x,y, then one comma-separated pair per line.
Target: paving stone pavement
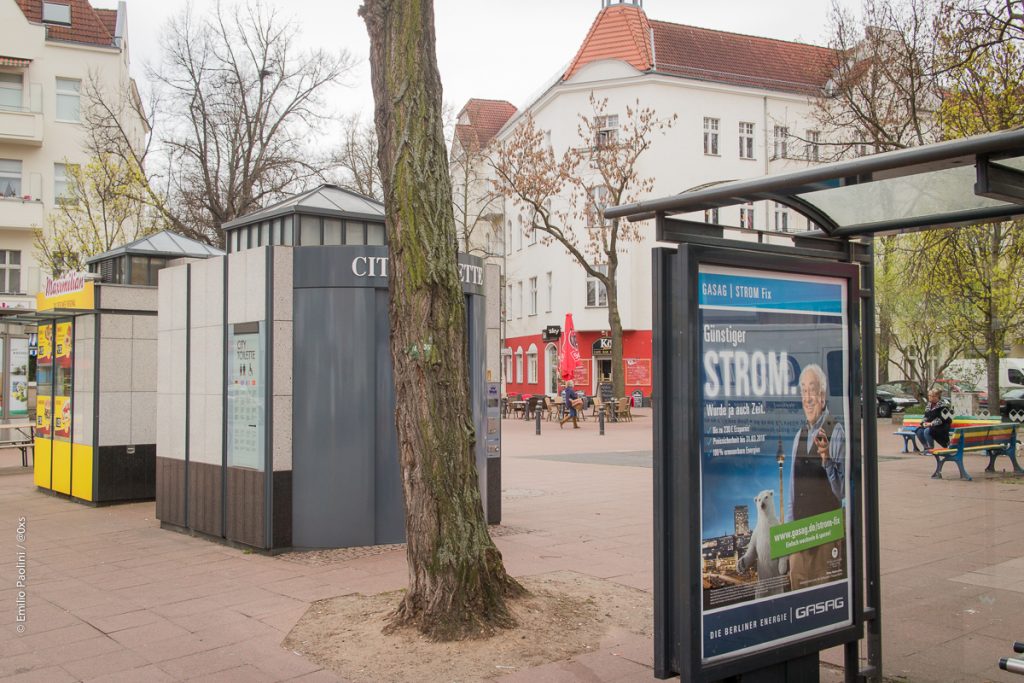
x,y
112,597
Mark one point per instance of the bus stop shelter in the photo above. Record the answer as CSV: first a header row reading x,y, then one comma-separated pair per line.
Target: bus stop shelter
x,y
955,183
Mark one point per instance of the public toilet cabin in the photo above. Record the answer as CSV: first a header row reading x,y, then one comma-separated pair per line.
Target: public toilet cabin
x,y
95,412
275,389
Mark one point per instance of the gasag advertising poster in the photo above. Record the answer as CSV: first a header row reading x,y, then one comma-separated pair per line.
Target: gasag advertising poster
x,y
774,461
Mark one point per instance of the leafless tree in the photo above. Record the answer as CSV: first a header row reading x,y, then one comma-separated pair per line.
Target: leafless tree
x,y
356,158
239,99
883,88
478,207
564,198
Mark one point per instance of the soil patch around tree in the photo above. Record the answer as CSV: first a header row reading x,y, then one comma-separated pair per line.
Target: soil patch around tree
x,y
565,614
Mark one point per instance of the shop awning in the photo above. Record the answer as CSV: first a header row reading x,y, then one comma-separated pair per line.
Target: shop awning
x,y
18,62
959,182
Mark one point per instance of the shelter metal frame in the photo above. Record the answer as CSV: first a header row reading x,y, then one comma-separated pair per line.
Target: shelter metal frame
x,y
833,196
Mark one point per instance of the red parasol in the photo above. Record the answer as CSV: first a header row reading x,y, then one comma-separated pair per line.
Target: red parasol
x,y
569,350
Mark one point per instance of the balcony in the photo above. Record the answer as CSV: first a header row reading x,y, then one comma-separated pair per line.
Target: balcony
x,y
21,214
21,127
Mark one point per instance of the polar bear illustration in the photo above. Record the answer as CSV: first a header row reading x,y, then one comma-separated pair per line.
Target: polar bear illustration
x,y
759,551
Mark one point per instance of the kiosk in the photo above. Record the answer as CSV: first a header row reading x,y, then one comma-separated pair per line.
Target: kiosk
x,y
95,425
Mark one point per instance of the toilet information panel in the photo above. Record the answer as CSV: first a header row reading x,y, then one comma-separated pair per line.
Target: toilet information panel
x,y
246,392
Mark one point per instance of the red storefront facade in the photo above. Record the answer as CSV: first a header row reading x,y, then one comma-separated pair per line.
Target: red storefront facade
x,y
530,364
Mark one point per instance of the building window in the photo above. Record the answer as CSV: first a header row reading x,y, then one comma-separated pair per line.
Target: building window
x,y
61,194
781,217
781,142
519,299
746,140
10,91
10,271
508,304
519,365
508,366
711,216
56,13
710,136
812,149
533,233
863,150
519,233
550,292
531,365
533,296
69,105
606,130
597,293
10,178
747,216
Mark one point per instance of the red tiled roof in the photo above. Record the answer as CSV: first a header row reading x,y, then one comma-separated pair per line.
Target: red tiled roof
x,y
486,117
619,32
623,32
737,59
109,19
86,24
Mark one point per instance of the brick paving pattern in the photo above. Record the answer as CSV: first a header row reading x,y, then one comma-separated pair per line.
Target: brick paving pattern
x,y
112,597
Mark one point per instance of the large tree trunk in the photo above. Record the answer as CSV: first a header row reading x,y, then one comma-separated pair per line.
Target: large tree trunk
x,y
457,581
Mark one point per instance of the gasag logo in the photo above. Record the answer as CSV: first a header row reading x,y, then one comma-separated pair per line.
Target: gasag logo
x,y
822,607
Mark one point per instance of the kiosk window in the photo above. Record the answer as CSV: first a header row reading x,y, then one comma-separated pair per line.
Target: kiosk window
x,y
375,234
332,231
286,230
309,230
354,233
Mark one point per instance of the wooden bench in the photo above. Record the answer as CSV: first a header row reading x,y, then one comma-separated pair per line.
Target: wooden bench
x,y
993,440
911,422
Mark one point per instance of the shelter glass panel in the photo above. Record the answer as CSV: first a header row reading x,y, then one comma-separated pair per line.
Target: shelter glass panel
x,y
906,197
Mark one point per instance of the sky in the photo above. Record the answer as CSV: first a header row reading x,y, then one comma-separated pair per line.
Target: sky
x,y
488,48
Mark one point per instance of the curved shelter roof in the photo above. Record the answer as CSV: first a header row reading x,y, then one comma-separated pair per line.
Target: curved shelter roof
x,y
959,182
325,200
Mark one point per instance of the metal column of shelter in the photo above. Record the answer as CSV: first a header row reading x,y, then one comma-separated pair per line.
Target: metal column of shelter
x,y
955,183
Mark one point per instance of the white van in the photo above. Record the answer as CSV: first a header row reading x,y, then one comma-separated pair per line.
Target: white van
x,y
1011,372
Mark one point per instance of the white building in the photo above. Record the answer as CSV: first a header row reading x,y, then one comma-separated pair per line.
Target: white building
x,y
744,110
49,52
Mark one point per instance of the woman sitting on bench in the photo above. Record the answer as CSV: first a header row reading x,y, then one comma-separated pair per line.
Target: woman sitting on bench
x,y
936,423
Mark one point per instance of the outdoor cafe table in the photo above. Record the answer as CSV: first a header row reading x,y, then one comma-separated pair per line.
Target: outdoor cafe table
x,y
25,429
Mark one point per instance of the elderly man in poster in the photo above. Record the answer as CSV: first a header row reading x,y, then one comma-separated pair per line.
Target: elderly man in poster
x,y
817,480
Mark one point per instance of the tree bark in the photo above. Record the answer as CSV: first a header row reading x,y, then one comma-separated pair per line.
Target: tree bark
x,y
457,580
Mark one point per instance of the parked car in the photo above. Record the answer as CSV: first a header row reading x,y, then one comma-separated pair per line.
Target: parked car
x,y
893,399
906,386
1011,404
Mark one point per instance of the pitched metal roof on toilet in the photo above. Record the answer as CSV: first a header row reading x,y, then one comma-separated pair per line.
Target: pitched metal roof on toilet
x,y
163,243
325,200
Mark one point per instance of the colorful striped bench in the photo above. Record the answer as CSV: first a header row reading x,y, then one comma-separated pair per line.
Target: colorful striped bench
x,y
911,422
993,440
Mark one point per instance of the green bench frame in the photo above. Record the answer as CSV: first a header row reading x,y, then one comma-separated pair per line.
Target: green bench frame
x,y
993,440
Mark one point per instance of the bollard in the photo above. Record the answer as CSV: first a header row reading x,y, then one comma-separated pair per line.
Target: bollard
x,y
600,421
536,414
1012,665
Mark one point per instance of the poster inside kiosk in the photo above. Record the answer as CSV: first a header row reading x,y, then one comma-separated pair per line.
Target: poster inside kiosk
x,y
774,459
